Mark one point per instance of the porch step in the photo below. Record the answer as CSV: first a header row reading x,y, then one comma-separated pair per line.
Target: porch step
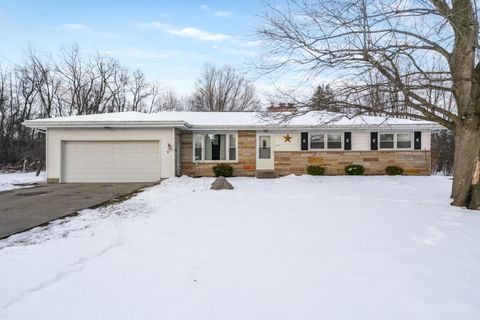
x,y
266,174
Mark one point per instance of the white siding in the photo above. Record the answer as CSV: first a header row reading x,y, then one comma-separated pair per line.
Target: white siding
x,y
426,140
360,140
164,136
280,144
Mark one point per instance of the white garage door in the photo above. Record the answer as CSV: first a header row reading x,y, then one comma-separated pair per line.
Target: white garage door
x,y
111,161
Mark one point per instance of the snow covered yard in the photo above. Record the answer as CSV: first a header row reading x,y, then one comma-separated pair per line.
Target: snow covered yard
x,y
10,181
291,248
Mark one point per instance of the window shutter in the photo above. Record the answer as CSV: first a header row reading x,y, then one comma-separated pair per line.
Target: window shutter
x,y
347,143
304,138
417,140
373,140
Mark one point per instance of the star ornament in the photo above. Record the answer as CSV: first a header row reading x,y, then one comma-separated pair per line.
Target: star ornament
x,y
287,138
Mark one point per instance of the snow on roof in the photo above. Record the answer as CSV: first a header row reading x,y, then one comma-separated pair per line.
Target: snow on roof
x,y
199,120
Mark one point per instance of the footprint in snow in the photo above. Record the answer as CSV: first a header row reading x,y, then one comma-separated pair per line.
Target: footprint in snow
x,y
434,236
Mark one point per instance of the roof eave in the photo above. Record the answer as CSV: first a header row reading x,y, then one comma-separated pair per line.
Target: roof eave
x,y
102,124
422,126
184,125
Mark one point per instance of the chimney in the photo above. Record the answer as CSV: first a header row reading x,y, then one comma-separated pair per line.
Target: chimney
x,y
282,107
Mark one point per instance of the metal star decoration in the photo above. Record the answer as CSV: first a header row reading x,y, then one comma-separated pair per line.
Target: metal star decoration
x,y
287,138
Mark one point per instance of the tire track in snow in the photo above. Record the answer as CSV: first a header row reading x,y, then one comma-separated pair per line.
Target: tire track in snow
x,y
75,267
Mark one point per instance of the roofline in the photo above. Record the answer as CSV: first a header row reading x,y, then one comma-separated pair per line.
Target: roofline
x,y
424,126
184,125
38,124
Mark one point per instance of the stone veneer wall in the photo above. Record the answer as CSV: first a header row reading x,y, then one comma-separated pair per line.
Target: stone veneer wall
x,y
413,162
245,166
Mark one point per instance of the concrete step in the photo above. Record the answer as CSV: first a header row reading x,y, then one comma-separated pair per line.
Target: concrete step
x,y
266,174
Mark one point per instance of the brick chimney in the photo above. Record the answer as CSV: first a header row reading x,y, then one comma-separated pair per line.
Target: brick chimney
x,y
282,107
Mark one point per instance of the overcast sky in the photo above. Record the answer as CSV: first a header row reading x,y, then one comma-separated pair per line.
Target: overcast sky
x,y
169,40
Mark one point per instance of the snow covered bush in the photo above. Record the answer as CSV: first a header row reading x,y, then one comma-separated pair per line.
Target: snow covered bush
x,y
354,170
394,171
315,170
223,169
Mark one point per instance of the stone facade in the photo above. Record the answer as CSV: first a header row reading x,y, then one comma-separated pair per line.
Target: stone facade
x,y
375,162
295,162
245,166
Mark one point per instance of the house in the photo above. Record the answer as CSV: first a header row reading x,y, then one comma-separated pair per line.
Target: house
x,y
140,147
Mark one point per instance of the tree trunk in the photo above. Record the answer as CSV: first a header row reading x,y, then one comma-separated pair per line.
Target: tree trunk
x,y
474,201
467,147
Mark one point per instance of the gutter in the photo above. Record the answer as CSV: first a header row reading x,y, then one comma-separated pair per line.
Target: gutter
x,y
424,126
103,124
41,125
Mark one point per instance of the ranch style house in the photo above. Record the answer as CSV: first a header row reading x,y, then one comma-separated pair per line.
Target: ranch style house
x,y
141,147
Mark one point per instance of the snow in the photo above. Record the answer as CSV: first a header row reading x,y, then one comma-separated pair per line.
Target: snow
x,y
227,119
291,248
9,181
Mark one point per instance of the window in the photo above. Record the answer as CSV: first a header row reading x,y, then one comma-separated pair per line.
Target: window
x,y
395,140
197,141
404,140
386,141
232,147
334,141
317,141
325,140
215,147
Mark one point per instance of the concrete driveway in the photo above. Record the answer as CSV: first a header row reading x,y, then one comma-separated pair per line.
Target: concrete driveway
x,y
23,209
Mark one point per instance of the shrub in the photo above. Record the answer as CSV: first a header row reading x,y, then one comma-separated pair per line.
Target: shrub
x,y
315,170
354,170
223,169
394,170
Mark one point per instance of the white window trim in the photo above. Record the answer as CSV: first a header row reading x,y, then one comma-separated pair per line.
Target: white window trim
x,y
310,140
380,141
227,146
325,140
411,140
395,133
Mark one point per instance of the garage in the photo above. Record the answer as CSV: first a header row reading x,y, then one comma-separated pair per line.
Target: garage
x,y
110,161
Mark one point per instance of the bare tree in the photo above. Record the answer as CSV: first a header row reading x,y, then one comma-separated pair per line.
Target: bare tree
x,y
98,84
67,84
102,70
223,89
17,103
139,89
46,84
166,100
118,88
415,59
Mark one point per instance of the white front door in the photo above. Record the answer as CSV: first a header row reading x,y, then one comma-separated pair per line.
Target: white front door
x,y
265,154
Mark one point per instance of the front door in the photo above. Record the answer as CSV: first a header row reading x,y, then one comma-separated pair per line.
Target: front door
x,y
265,154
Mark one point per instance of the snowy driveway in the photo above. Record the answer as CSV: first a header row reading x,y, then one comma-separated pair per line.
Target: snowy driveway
x,y
23,209
290,248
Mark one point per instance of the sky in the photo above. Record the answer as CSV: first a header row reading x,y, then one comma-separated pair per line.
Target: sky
x,y
169,41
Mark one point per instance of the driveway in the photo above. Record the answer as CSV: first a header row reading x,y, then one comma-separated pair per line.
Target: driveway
x,y
23,209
